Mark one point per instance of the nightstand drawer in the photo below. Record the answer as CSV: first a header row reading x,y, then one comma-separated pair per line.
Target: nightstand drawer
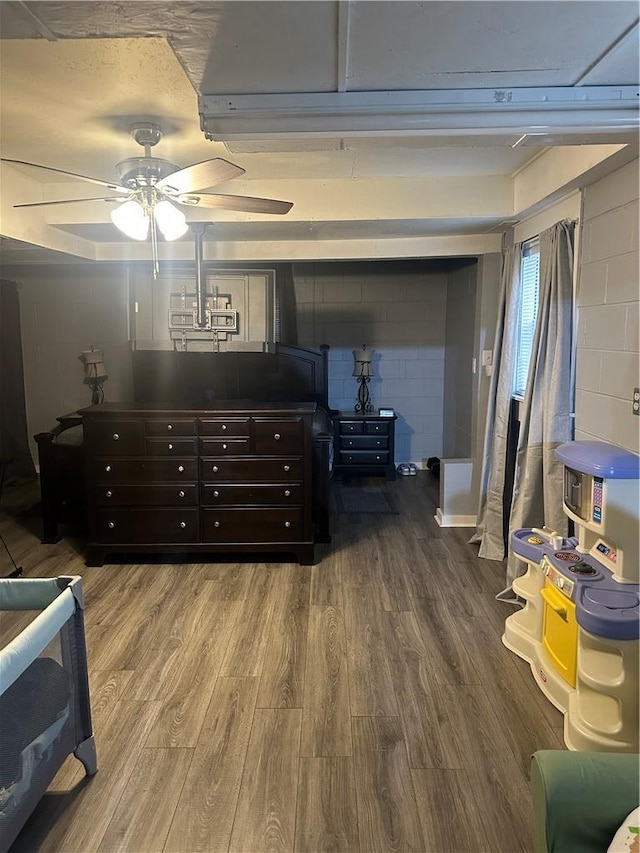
x,y
252,525
364,442
350,427
376,427
363,457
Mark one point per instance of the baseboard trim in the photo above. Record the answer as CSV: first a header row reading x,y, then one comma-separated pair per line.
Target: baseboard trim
x,y
454,520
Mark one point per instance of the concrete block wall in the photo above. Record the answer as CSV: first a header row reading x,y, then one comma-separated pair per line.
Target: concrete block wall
x,y
608,354
399,310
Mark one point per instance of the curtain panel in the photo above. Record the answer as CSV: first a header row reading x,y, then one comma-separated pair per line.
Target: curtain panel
x,y
546,412
490,523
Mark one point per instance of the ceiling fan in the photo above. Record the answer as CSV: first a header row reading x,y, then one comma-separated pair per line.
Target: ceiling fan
x,y
150,188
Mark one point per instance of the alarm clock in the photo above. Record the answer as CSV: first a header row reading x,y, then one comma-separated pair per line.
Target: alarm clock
x,y
386,413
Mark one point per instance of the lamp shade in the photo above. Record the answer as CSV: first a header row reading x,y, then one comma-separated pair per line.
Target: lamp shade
x,y
362,359
94,368
171,221
131,219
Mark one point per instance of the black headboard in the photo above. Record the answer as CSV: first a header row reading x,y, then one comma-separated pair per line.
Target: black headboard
x,y
290,374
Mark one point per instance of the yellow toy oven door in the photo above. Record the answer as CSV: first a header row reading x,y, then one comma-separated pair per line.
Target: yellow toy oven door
x,y
560,632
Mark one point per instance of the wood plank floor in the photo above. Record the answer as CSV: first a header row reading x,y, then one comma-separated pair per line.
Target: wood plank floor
x,y
363,704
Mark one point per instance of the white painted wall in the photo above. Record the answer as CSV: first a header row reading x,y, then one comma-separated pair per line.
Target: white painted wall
x,y
397,309
608,360
63,310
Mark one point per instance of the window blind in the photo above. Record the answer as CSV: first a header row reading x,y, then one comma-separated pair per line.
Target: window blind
x,y
528,313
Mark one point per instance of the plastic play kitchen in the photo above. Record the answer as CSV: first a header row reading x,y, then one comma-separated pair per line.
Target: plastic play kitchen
x,y
580,623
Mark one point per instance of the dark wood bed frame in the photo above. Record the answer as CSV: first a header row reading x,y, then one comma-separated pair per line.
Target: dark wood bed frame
x,y
288,374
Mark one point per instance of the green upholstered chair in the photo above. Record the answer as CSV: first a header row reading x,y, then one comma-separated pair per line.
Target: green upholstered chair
x,y
581,798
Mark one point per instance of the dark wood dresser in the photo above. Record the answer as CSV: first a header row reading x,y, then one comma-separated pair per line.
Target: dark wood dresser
x,y
234,478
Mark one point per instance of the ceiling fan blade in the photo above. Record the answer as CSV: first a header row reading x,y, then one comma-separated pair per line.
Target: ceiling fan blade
x,y
245,203
200,176
67,201
113,186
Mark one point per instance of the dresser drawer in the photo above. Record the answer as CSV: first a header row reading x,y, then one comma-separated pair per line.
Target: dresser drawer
x,y
217,495
271,435
224,426
151,495
115,438
252,470
376,427
169,427
139,526
351,427
170,447
144,470
224,446
252,525
364,442
363,457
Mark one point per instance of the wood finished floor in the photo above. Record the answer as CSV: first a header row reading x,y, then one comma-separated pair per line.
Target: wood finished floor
x,y
363,704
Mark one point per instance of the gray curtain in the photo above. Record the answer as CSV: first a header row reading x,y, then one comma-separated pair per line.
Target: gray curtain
x,y
545,414
490,524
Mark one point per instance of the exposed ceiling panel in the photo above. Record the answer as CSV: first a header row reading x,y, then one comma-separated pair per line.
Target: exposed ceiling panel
x,y
75,75
440,45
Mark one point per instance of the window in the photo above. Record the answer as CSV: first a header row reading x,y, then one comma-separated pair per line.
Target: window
x,y
528,312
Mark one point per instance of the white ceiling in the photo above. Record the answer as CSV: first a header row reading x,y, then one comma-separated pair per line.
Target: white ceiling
x,y
75,75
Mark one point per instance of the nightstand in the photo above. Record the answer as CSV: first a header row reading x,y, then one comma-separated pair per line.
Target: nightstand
x,y
364,444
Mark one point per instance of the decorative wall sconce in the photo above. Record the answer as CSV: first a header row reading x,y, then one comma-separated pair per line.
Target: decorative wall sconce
x,y
363,371
95,374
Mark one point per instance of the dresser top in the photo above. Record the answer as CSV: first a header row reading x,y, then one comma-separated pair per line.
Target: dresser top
x,y
225,407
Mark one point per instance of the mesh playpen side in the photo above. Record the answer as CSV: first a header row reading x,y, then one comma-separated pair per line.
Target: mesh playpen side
x,y
45,712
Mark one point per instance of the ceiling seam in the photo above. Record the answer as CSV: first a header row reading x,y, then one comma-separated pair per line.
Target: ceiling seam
x,y
605,53
344,24
40,25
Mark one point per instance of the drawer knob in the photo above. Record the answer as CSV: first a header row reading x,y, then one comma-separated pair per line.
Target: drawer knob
x,y
215,469
183,524
277,436
169,427
109,494
378,458
216,494
111,525
181,468
170,446
350,444
216,524
224,446
181,494
287,493
287,467
224,426
107,468
287,524
116,436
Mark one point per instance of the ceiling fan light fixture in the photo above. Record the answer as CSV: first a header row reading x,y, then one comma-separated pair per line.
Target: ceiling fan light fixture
x,y
131,219
171,221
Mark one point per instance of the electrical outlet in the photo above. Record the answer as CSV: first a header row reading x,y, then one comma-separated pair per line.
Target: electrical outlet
x,y
636,401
